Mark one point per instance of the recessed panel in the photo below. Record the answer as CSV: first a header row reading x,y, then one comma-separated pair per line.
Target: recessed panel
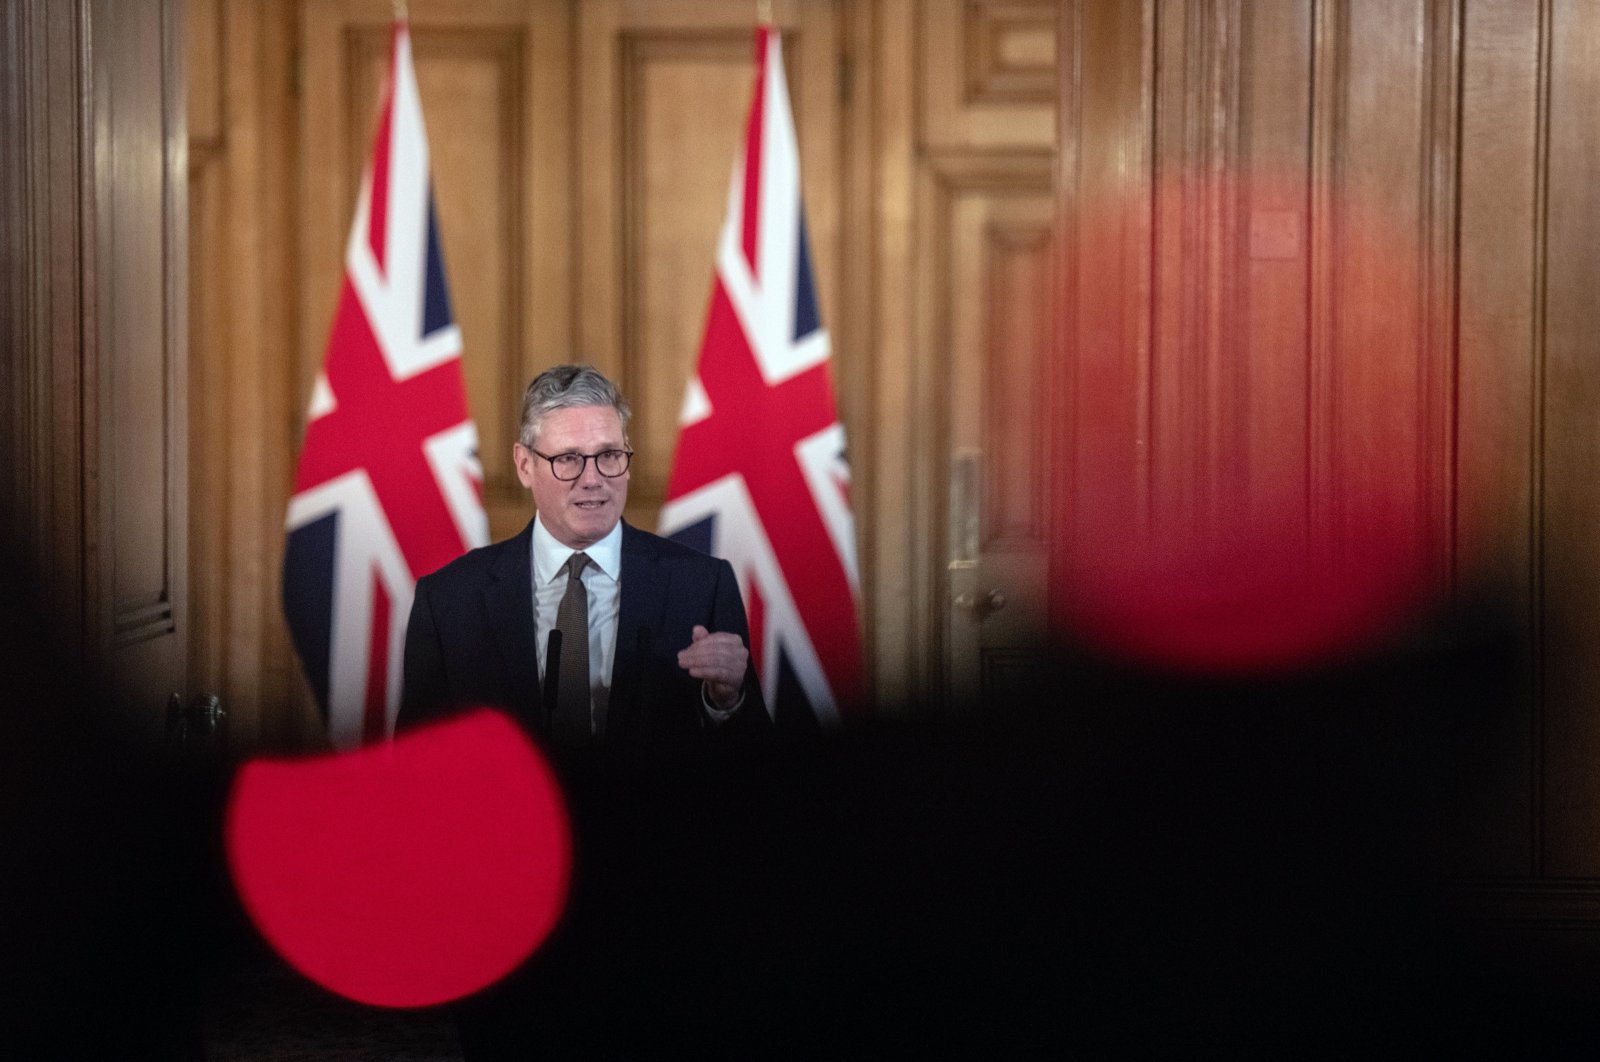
x,y
135,390
685,103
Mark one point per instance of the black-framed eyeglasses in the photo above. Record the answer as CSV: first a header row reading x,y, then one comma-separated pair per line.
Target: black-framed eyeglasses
x,y
568,467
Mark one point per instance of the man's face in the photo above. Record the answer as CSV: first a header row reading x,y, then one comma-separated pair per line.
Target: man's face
x,y
581,512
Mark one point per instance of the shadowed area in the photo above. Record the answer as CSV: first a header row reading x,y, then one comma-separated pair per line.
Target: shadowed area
x,y
1118,860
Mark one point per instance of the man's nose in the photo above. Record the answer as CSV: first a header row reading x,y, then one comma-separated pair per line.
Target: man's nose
x,y
590,476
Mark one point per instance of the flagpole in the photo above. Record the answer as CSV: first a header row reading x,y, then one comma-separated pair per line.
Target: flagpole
x,y
400,12
764,12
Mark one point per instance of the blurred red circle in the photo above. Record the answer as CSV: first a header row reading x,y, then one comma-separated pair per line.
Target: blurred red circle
x,y
1256,467
405,874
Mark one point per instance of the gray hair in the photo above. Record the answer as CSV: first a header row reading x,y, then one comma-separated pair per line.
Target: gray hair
x,y
567,387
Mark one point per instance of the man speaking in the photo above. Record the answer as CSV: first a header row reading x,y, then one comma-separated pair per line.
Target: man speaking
x,y
585,628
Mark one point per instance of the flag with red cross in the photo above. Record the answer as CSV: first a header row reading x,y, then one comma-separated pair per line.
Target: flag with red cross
x,y
388,487
759,477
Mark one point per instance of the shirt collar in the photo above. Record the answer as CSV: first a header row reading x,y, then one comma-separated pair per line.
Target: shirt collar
x,y
550,556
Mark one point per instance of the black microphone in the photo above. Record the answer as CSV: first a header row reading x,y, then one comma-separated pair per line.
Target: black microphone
x,y
552,680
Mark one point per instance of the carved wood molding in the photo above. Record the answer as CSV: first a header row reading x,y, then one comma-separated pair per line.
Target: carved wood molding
x,y
988,74
1009,51
1026,401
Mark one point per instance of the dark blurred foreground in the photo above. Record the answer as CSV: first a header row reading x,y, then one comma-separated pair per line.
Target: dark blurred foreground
x,y
1108,862
1113,863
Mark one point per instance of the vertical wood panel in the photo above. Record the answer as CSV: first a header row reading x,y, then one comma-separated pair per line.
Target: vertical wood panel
x,y
137,371
1496,512
859,380
897,646
1330,59
1273,310
209,471
1571,411
266,317
1106,321
1018,286
1440,285
1379,239
43,430
1197,357
986,293
244,322
135,397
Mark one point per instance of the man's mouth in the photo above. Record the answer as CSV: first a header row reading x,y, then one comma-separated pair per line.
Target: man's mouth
x,y
588,505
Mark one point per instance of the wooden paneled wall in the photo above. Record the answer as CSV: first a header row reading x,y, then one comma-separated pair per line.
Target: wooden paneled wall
x,y
1269,214
974,527
94,438
1305,239
243,334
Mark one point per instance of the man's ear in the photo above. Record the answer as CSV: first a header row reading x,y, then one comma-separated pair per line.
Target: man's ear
x,y
523,458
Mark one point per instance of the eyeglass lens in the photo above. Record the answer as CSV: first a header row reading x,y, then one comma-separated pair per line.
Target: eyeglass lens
x,y
610,463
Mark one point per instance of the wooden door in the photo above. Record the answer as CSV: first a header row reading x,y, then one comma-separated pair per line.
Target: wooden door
x,y
94,439
986,305
137,507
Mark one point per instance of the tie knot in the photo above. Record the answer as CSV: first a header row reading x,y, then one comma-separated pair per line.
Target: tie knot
x,y
575,564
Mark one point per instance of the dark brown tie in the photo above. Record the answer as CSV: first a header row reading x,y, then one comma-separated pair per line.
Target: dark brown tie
x,y
573,726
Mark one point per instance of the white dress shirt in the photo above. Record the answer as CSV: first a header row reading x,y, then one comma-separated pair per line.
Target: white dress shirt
x,y
602,581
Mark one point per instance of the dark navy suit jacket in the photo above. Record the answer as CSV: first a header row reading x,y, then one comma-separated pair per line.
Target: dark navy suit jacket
x,y
471,639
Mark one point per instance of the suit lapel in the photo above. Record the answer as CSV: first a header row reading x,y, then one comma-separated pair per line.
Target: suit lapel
x,y
644,597
508,606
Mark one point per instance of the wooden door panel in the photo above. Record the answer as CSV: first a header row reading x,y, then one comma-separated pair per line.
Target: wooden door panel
x,y
985,354
136,474
992,292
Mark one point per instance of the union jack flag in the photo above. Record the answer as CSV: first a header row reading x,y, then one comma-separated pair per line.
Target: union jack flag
x,y
760,477
389,486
